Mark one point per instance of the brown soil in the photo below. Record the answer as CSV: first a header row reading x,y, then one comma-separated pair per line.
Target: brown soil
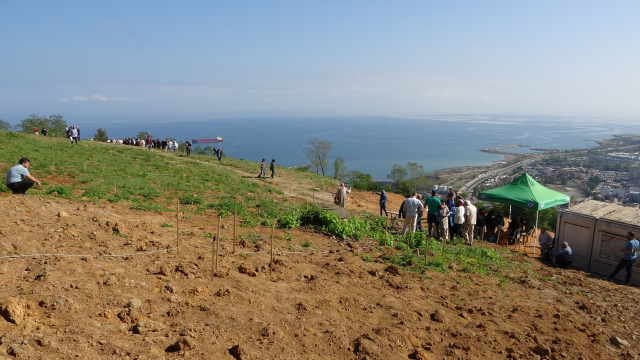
x,y
319,302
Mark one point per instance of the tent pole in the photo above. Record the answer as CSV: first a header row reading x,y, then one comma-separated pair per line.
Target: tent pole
x,y
535,234
509,213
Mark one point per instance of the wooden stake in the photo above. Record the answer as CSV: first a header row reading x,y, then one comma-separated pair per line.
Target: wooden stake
x,y
219,226
213,256
314,196
235,217
273,230
217,251
178,224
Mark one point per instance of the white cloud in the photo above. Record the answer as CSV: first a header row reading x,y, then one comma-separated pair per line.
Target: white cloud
x,y
98,97
79,97
120,99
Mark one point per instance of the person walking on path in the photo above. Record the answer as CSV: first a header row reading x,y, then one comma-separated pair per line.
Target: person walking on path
x,y
458,219
18,178
262,170
628,258
443,218
220,155
433,205
340,196
383,202
470,214
411,207
187,147
272,167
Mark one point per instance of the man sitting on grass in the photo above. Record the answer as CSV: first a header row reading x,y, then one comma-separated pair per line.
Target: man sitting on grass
x,y
18,178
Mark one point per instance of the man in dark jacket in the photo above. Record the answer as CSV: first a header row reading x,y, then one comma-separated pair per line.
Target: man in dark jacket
x,y
383,202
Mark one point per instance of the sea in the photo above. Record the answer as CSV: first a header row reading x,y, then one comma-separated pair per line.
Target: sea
x,y
373,145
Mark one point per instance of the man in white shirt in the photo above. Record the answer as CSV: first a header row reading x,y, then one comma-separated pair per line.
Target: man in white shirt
x,y
458,219
471,213
411,207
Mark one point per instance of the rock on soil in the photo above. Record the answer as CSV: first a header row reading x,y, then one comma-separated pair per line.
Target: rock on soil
x,y
618,341
542,350
245,270
439,316
184,344
13,310
144,326
134,303
394,269
239,353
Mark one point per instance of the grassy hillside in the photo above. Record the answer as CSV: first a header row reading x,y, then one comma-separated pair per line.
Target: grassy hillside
x,y
149,180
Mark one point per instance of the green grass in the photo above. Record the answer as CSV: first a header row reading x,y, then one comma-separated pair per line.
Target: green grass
x,y
165,225
148,180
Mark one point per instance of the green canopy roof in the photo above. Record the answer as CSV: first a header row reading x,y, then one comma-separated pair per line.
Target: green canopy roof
x,y
526,193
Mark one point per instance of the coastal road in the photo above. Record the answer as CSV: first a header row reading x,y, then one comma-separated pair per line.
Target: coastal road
x,y
470,186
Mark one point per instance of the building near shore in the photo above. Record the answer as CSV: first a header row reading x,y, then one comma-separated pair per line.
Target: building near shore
x,y
595,230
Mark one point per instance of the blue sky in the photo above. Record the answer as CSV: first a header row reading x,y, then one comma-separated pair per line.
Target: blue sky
x,y
206,59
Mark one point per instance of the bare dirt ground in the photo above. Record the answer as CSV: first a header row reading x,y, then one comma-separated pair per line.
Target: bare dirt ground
x,y
329,304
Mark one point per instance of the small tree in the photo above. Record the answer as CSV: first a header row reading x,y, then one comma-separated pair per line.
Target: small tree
x,y
398,174
318,154
101,135
142,135
339,169
55,124
5,125
416,172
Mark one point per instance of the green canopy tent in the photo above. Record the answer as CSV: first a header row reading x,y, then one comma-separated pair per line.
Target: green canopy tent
x,y
526,193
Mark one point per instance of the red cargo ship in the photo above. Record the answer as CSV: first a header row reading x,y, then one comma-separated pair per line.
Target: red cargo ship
x,y
205,141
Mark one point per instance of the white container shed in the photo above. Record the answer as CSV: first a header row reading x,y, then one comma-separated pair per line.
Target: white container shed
x,y
595,230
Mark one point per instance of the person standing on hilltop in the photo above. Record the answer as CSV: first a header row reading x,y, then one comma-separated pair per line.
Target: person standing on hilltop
x,y
175,145
18,178
262,170
272,167
411,207
630,254
148,141
383,202
471,217
458,219
74,134
187,147
340,196
443,216
35,130
220,156
45,132
433,206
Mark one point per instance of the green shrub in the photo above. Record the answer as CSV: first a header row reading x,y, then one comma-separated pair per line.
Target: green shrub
x,y
191,200
4,188
289,220
61,191
94,194
119,196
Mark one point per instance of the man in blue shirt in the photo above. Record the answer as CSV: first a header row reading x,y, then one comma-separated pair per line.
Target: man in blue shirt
x,y
628,258
564,257
433,205
18,178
